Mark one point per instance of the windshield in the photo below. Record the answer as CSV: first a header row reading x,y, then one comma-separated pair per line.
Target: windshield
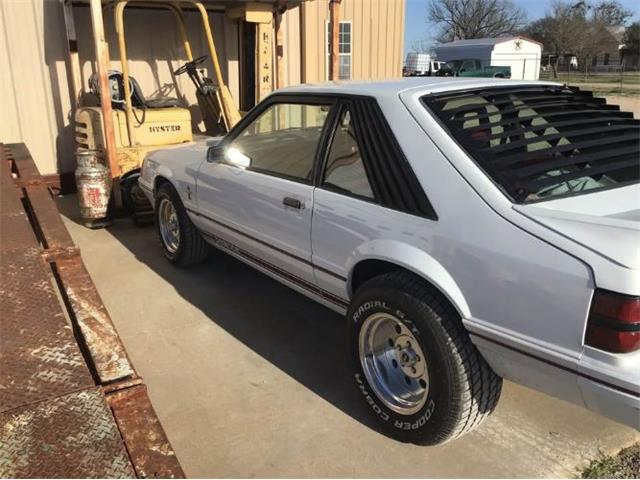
x,y
541,142
455,64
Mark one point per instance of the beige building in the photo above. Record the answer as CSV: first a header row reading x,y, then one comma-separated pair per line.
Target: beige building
x,y
36,88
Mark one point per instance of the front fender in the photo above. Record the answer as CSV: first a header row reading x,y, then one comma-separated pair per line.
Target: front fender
x,y
166,173
415,260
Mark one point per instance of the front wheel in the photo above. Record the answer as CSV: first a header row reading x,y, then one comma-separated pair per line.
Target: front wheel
x,y
414,364
181,242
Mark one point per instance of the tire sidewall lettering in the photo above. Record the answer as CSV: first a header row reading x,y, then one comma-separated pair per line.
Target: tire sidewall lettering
x,y
370,399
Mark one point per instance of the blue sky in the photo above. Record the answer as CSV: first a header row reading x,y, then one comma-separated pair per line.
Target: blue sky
x,y
416,26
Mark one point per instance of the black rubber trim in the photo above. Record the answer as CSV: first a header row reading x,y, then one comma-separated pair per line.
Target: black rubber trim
x,y
266,244
561,367
613,324
280,272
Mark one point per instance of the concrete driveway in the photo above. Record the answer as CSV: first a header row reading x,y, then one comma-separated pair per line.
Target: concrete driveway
x,y
249,379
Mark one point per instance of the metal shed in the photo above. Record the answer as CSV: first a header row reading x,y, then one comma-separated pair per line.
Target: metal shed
x,y
521,54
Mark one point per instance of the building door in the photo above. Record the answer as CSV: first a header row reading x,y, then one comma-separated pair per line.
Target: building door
x,y
247,42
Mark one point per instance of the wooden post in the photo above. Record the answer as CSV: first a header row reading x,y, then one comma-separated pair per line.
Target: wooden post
x,y
281,7
102,59
334,14
264,59
72,50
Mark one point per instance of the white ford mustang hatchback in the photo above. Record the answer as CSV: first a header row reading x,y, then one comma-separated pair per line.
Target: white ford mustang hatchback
x,y
470,229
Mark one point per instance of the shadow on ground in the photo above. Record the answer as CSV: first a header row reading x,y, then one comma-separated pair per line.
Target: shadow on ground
x,y
300,337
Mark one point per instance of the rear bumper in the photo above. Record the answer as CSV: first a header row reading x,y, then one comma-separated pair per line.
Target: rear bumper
x,y
618,406
561,379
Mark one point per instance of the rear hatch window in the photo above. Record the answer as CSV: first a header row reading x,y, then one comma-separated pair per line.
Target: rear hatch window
x,y
538,142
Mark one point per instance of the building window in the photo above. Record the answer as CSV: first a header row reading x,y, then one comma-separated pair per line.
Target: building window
x,y
606,59
344,50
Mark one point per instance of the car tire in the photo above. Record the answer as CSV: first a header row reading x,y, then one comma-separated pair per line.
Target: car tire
x,y
448,387
181,242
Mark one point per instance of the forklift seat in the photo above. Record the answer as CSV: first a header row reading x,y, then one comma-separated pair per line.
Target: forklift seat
x,y
116,86
138,99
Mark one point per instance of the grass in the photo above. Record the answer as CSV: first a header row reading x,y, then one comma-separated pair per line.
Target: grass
x,y
605,92
602,83
630,78
626,464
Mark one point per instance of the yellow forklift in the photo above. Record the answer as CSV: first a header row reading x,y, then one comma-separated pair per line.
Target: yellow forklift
x,y
141,125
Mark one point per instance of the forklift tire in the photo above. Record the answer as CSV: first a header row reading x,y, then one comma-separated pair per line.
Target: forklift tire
x,y
133,199
181,242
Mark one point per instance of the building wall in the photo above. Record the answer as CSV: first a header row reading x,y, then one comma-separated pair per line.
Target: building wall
x,y
35,85
377,37
34,91
34,82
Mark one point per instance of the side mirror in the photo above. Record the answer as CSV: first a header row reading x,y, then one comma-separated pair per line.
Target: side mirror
x,y
215,154
235,157
228,155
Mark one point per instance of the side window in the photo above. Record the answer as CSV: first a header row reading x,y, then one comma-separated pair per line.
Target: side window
x,y
345,170
283,140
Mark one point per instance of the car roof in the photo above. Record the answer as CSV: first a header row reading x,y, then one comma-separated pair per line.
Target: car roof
x,y
386,88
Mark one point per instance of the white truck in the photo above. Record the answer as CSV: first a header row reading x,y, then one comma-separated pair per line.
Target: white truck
x,y
421,65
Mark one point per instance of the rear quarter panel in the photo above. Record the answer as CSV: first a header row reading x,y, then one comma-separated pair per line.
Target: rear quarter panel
x,y
512,286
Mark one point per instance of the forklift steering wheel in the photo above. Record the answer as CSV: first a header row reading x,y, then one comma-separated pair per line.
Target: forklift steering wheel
x,y
192,64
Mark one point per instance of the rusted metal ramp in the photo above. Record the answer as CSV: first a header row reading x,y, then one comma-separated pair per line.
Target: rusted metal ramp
x,y
71,403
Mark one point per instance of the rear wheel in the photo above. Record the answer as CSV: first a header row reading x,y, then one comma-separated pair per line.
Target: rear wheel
x,y
414,364
181,242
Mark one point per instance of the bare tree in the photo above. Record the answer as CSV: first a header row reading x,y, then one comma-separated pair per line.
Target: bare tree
x,y
422,45
581,29
610,13
631,49
560,31
464,19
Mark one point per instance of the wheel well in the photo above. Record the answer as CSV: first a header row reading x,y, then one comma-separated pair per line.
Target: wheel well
x,y
158,182
368,269
130,173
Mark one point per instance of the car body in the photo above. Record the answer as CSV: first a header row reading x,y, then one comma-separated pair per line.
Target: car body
x,y
521,273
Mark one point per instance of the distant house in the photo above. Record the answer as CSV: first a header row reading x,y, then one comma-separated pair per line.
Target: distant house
x,y
611,60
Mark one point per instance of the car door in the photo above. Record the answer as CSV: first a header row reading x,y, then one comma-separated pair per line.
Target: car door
x,y
257,193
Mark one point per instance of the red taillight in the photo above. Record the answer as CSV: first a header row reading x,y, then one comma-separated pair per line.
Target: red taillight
x,y
614,322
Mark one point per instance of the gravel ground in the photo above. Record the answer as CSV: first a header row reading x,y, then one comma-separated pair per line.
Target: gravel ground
x,y
629,103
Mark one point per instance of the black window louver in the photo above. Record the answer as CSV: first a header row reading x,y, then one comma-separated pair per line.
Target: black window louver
x,y
392,179
535,137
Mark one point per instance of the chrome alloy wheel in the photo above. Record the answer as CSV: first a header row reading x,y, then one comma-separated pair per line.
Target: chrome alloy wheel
x,y
394,363
169,226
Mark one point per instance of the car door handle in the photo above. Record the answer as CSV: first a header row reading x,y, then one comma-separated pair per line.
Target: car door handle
x,y
292,202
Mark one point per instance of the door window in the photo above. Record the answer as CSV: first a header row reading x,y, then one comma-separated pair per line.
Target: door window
x,y
282,141
345,170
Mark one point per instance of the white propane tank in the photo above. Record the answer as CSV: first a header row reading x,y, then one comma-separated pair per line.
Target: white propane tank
x,y
93,181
